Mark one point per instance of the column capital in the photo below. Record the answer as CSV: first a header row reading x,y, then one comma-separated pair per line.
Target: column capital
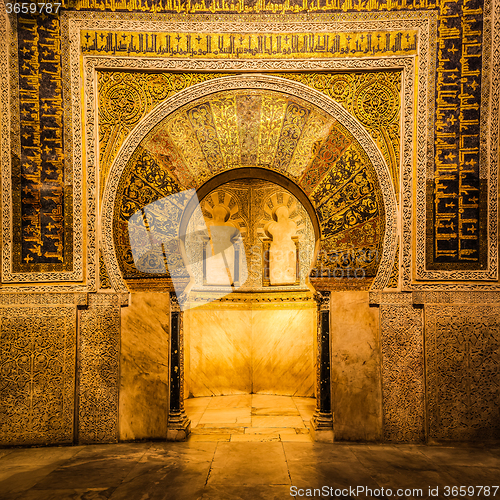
x,y
322,297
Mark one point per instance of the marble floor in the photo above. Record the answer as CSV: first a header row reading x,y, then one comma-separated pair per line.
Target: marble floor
x,y
195,470
250,417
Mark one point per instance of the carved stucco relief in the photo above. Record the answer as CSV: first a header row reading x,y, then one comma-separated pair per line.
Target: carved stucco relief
x,y
98,369
462,350
403,391
37,373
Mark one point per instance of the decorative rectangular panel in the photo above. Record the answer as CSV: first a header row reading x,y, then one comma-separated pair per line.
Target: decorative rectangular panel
x,y
98,360
37,374
402,372
463,371
42,199
458,224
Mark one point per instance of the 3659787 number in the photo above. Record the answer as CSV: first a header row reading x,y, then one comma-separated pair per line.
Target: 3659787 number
x,y
470,491
32,8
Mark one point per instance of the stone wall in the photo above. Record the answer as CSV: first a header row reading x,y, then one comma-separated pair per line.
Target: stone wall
x,y
440,366
356,377
421,367
144,367
403,384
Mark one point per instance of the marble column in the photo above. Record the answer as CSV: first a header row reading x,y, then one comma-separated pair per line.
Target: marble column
x,y
322,420
178,423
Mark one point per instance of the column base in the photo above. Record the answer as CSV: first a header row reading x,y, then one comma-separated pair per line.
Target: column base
x,y
178,427
322,427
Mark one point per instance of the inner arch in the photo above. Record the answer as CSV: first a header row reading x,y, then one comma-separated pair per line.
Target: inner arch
x,y
251,173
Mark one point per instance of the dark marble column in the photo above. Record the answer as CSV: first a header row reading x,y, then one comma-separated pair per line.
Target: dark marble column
x,y
178,423
322,420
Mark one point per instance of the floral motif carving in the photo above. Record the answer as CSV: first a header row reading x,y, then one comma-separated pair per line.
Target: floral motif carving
x,y
463,371
99,357
373,97
403,392
104,281
37,373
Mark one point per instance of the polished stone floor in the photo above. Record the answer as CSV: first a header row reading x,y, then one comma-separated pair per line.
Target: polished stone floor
x,y
250,417
213,465
249,471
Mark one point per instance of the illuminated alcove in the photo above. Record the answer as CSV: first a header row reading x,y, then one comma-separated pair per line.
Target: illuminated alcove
x,y
259,336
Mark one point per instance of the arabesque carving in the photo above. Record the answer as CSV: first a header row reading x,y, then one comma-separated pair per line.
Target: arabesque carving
x,y
99,358
37,367
258,82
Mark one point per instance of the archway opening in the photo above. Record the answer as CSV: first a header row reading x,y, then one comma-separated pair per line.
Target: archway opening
x,y
250,326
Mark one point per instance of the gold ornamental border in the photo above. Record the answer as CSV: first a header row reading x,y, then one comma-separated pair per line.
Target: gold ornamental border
x,y
86,66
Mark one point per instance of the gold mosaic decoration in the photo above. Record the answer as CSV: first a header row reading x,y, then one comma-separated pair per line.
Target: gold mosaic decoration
x,y
42,195
373,98
125,98
459,220
456,202
227,130
249,45
248,6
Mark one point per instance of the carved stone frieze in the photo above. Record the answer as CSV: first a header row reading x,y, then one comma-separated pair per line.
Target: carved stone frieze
x,y
37,373
98,369
462,349
395,298
254,298
104,282
403,391
456,297
5,35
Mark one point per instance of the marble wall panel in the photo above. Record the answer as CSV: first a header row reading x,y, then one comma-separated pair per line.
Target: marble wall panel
x,y
282,350
37,374
144,367
245,348
355,367
98,369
